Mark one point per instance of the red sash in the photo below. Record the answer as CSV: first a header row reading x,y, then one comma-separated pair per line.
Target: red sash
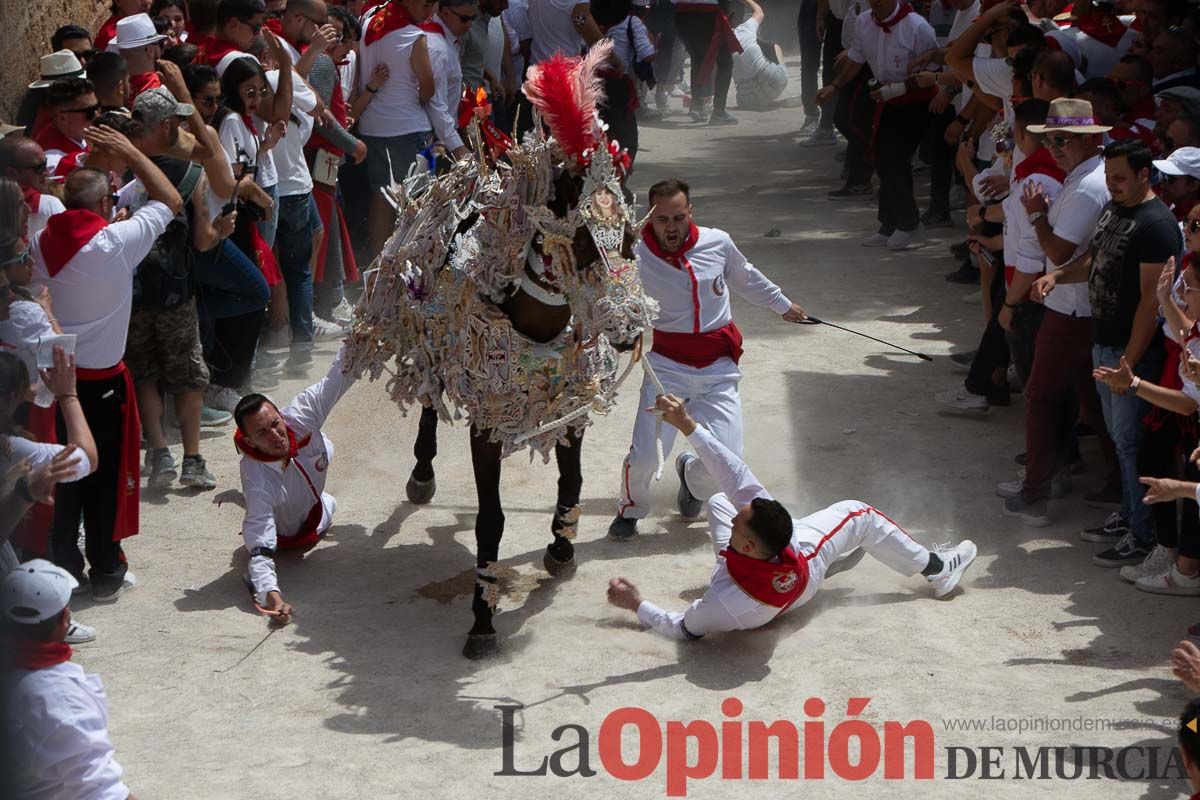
x,y
142,82
394,17
308,533
773,583
722,34
699,349
129,475
33,655
1103,26
66,234
327,203
107,31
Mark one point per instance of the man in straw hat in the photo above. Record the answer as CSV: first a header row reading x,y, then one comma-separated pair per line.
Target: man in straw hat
x,y
1062,361
57,714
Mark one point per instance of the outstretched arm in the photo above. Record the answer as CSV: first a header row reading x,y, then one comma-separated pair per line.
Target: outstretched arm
x,y
312,406
731,473
705,615
750,284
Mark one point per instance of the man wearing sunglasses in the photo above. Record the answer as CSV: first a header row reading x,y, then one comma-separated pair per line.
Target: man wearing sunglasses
x,y
1180,187
23,160
73,106
239,23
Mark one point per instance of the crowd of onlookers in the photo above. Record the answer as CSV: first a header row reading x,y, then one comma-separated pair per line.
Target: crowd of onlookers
x,y
188,192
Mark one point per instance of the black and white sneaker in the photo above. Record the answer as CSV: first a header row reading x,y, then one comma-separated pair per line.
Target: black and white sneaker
x,y
689,505
622,529
1114,529
1127,551
954,563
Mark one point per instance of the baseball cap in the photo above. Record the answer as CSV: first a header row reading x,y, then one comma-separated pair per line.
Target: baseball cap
x,y
1184,161
35,592
1189,96
157,104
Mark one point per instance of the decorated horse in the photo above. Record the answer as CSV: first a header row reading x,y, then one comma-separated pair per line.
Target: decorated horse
x,y
505,296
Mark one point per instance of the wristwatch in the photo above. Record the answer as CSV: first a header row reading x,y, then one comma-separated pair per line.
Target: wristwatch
x,y
1134,384
1035,216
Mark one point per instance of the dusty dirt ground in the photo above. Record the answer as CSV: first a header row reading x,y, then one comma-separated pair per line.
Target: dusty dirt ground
x,y
366,694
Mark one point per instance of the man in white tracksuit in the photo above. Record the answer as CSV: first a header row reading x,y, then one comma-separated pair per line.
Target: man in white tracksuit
x,y
767,562
285,462
690,272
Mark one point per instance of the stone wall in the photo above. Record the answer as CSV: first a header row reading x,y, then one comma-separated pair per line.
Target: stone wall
x,y
25,29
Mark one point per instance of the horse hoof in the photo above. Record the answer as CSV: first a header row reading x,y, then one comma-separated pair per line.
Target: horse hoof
x,y
556,568
420,492
481,645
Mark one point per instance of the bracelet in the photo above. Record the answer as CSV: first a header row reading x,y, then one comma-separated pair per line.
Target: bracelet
x,y
66,394
1134,384
1035,216
372,91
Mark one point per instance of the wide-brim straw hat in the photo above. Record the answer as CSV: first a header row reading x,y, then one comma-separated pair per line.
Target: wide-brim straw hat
x,y
1071,116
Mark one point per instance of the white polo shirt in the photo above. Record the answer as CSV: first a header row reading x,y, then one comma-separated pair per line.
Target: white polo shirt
x,y
695,298
552,29
58,721
93,292
1073,216
442,108
889,54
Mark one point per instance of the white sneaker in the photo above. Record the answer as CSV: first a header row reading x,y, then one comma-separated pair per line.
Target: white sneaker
x,y
343,312
277,338
127,584
80,634
875,240
975,298
1159,561
902,240
955,561
962,400
1170,582
324,330
1008,489
223,397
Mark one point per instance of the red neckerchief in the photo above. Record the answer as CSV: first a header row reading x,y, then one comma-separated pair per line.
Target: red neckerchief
x,y
1135,131
242,443
142,82
38,655
1145,109
105,35
32,198
66,234
1039,162
1103,26
678,259
248,121
391,18
275,26
212,49
774,583
904,10
51,138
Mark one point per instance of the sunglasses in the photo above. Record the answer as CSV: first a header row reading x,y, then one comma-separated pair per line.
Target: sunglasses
x,y
1060,141
250,94
24,257
211,100
466,19
255,27
1193,226
39,167
91,112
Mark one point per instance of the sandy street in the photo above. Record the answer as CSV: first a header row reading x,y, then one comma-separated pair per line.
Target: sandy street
x,y
366,694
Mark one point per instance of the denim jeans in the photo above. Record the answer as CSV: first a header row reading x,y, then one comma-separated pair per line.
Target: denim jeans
x,y
266,227
1123,417
294,240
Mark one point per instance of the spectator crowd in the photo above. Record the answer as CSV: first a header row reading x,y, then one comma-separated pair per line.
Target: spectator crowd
x,y
189,191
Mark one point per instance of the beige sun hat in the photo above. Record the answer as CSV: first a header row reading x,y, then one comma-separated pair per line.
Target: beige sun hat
x,y
1072,116
62,64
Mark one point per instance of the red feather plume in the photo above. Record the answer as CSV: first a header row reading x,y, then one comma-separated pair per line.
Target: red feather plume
x,y
566,91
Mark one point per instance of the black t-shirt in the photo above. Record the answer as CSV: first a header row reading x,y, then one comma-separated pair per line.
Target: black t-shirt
x,y
1126,238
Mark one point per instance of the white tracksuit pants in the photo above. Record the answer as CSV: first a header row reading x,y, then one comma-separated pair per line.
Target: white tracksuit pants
x,y
712,399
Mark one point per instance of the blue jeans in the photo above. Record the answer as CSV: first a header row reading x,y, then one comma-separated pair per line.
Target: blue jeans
x,y
294,240
230,283
1123,416
266,227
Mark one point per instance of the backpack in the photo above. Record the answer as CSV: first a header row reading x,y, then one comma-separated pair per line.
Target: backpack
x,y
164,279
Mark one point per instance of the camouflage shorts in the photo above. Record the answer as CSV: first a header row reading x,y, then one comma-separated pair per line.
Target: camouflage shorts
x,y
165,346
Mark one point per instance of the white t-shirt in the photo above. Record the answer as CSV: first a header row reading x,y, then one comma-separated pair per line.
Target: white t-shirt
x,y
751,61
48,206
1073,216
552,29
294,177
396,108
238,140
39,453
27,323
641,48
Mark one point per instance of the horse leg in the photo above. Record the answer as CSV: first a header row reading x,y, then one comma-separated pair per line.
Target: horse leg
x,y
560,554
489,528
422,484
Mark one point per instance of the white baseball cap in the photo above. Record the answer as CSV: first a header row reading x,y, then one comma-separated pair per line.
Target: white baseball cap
x,y
136,30
36,591
1184,161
